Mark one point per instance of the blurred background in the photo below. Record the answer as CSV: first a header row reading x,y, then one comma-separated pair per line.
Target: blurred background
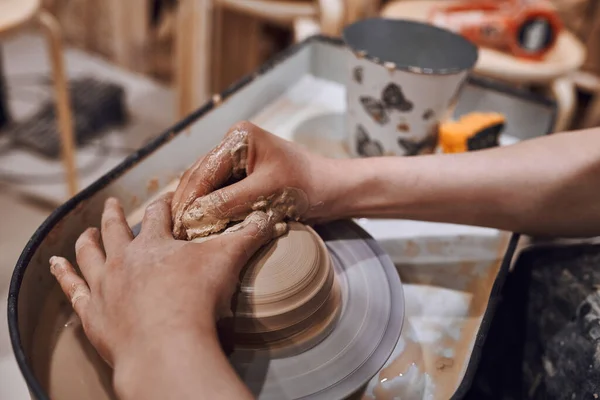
x,y
84,83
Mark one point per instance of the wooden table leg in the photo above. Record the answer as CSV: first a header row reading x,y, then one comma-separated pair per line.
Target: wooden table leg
x,y
130,24
236,51
52,31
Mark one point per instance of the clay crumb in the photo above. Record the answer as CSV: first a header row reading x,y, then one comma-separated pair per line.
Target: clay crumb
x,y
152,185
361,54
443,363
216,99
390,66
412,249
202,217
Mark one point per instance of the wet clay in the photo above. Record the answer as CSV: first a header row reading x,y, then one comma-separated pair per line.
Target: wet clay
x,y
207,210
225,162
205,216
289,299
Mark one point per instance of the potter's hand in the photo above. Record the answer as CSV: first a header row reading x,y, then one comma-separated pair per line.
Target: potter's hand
x,y
251,169
141,294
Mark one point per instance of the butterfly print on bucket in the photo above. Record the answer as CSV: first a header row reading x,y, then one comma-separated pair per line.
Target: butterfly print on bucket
x,y
392,98
365,146
375,109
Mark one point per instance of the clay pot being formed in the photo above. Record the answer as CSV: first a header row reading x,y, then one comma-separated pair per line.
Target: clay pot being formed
x,y
289,297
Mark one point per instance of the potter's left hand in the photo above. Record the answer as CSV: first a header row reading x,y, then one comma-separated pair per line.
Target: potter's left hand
x,y
145,293
252,169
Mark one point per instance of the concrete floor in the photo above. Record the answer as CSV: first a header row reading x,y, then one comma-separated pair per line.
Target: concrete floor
x,y
23,207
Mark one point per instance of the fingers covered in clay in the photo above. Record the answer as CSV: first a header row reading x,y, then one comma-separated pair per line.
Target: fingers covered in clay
x,y
212,213
241,242
255,231
259,227
72,285
226,161
250,170
116,233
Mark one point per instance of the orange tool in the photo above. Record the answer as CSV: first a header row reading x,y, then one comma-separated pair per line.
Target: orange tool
x,y
525,28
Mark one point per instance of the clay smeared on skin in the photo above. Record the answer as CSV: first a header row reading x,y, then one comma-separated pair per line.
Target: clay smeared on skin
x,y
227,161
205,216
264,224
201,216
58,268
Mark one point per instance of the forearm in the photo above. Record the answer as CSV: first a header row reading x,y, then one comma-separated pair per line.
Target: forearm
x,y
545,186
183,366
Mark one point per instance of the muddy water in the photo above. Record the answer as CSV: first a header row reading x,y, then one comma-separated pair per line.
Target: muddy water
x,y
64,361
434,349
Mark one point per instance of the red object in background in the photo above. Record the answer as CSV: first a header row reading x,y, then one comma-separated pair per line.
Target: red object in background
x,y
525,28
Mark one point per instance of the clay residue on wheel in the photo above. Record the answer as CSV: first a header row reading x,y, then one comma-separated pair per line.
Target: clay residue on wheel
x,y
205,215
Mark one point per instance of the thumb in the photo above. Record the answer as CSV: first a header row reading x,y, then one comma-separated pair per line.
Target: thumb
x,y
247,237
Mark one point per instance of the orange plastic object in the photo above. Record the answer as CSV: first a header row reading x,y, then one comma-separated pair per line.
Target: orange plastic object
x,y
525,28
472,131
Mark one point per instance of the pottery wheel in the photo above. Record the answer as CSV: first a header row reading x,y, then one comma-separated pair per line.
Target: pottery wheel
x,y
325,325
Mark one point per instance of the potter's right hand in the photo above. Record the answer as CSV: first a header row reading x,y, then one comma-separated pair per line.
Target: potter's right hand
x,y
149,304
139,288
252,169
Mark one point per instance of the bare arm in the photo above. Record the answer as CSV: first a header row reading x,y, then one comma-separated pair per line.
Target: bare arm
x,y
544,186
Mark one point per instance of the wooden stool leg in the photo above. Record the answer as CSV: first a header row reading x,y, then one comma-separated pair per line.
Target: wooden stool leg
x,y
51,29
217,49
182,60
193,48
563,90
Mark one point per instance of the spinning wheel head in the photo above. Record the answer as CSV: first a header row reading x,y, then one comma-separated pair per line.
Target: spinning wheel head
x,y
318,315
